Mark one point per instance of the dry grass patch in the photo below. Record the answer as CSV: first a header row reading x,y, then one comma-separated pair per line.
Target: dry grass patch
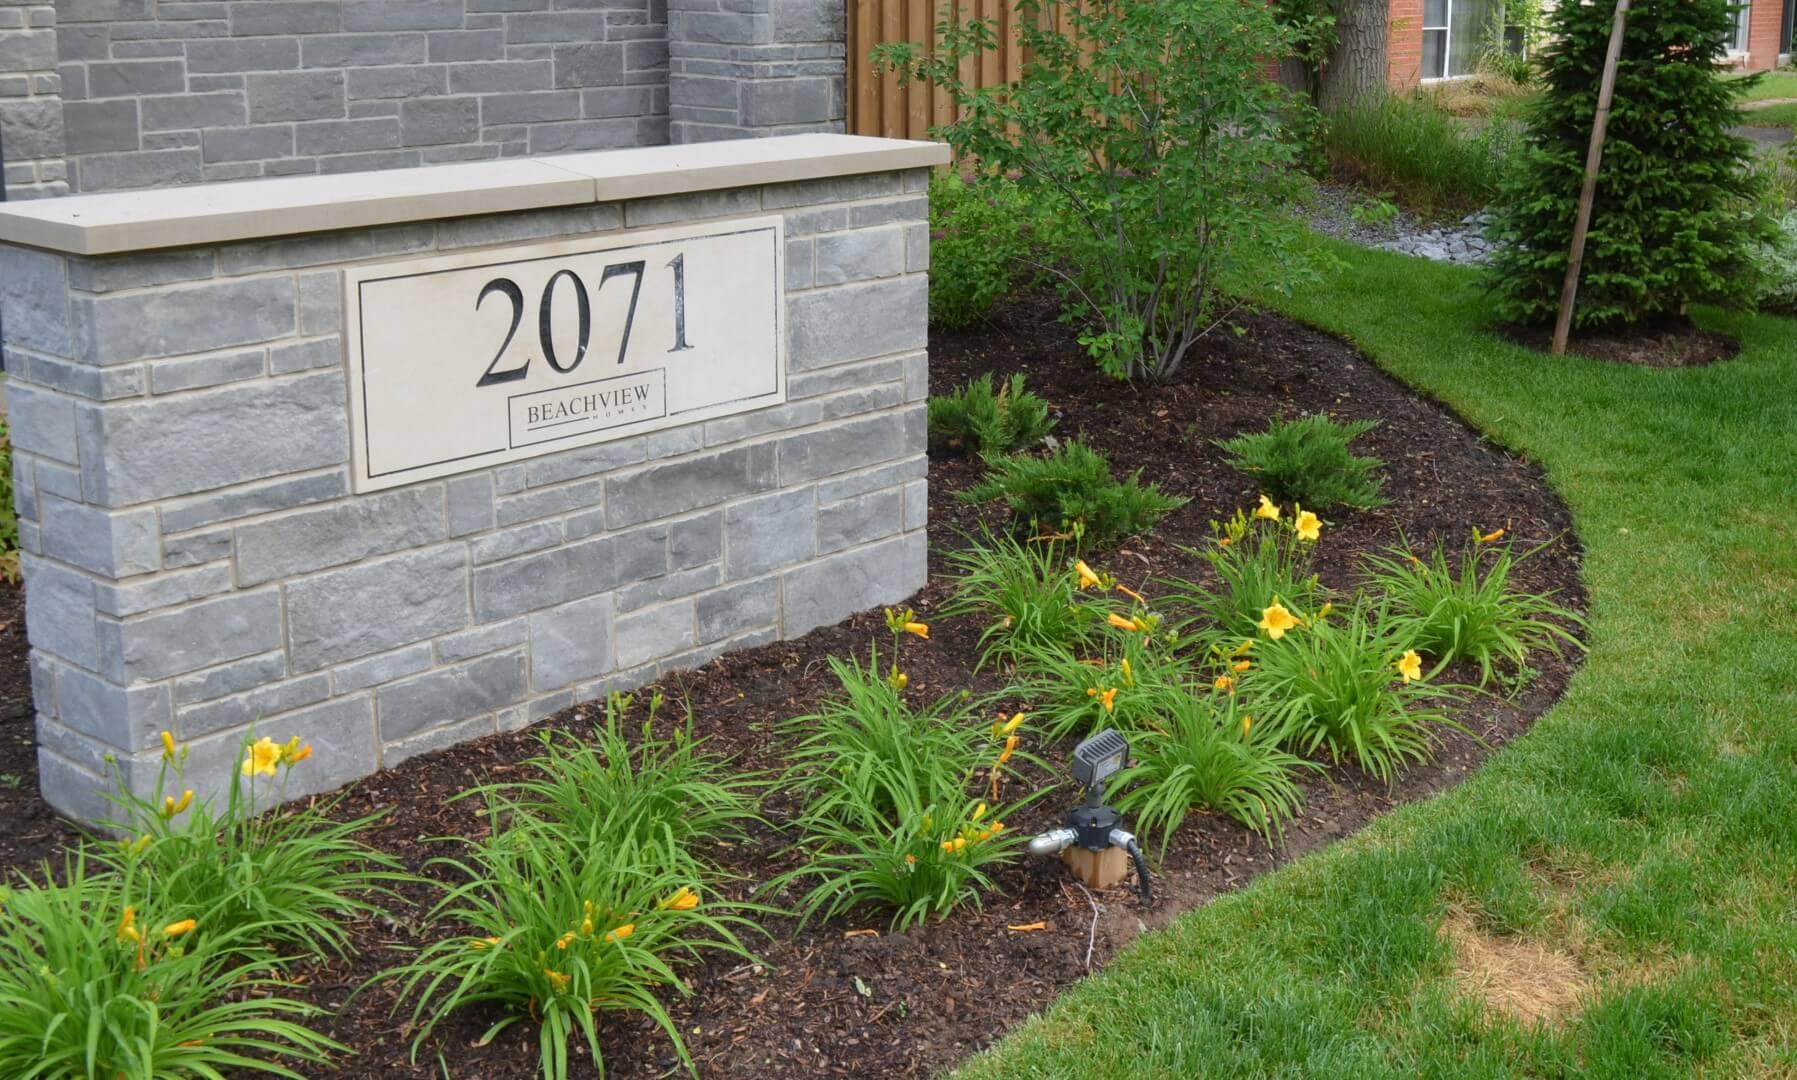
x,y
1516,976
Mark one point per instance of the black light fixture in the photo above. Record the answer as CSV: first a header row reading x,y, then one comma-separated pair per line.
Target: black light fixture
x,y
1092,825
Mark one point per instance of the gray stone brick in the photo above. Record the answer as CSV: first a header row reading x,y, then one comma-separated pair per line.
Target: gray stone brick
x,y
298,95
573,136
341,734
321,302
669,587
570,643
856,322
182,320
766,533
589,64
547,501
241,710
857,521
384,668
676,487
917,377
112,273
344,615
456,45
672,442
562,222
346,136
762,422
286,493
828,590
305,356
850,444
247,54
503,76
831,190
737,609
400,751
99,127
917,248
41,422
200,372
800,263
521,540
59,612
470,504
34,302
284,17
233,678
534,108
568,573
322,248
450,695
196,548
128,719
647,635
149,168
859,254
134,78
33,50
414,81
372,161
430,121
773,102
584,523
917,504
703,204
587,461
546,27
696,541
407,15
362,50
95,384
188,111
113,544
186,639
468,644
915,208
346,532
197,442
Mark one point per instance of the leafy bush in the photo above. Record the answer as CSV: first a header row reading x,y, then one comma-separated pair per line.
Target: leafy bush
x,y
1470,615
9,515
1071,488
1776,266
978,241
1412,147
1029,594
1259,561
293,873
901,808
985,421
1668,229
1308,461
561,928
1346,684
1208,754
661,791
1157,153
97,981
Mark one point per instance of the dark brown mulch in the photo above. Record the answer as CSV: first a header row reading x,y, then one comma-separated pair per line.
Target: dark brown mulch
x,y
824,1004
1670,343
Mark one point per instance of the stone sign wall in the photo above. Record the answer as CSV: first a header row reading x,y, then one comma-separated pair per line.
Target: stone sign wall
x,y
196,559
150,93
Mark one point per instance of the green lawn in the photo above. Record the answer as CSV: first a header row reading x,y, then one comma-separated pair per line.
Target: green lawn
x,y
1774,116
1646,828
1776,84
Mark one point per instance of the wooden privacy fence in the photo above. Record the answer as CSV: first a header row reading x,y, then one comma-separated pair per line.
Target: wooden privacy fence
x,y
879,104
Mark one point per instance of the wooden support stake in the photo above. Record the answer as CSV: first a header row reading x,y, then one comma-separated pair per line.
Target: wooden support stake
x,y
1588,193
1098,869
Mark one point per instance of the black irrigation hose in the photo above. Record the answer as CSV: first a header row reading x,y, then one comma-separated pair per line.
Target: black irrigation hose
x,y
1135,852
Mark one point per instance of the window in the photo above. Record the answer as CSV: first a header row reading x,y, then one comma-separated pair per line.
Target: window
x,y
1743,15
1455,32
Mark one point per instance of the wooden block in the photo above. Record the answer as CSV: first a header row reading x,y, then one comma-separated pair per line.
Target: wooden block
x,y
1098,869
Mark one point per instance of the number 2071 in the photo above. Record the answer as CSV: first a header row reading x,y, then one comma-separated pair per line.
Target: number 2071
x,y
583,301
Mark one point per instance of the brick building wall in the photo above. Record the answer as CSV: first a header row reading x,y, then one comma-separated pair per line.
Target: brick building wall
x,y
1404,45
1765,32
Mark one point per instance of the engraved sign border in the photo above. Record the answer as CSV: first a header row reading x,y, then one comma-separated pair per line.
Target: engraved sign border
x,y
364,479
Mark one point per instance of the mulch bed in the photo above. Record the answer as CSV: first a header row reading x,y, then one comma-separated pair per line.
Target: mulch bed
x,y
822,1003
1669,343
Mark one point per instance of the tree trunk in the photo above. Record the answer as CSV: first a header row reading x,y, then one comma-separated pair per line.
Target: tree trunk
x,y
1356,64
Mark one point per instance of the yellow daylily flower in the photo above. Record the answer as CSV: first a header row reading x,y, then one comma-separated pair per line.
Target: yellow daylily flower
x,y
483,943
1276,621
1267,509
1121,623
1087,579
1129,676
168,745
263,758
922,630
1223,682
684,899
176,929
1131,593
1241,665
1247,723
1109,699
1308,526
898,680
979,811
619,933
1491,537
1410,666
1010,748
557,980
565,940
127,930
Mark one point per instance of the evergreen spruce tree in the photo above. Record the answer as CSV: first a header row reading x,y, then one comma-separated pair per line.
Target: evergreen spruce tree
x,y
1675,218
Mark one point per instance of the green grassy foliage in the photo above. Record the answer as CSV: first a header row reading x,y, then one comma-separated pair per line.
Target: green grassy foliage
x,y
1071,489
1432,162
1309,461
1028,593
1647,824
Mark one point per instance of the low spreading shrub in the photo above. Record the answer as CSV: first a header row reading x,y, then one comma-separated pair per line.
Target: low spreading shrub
x,y
1031,595
901,808
1206,753
659,791
295,873
1433,163
1775,264
979,241
1071,489
1309,461
981,420
1258,561
99,980
1473,614
1344,683
558,929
